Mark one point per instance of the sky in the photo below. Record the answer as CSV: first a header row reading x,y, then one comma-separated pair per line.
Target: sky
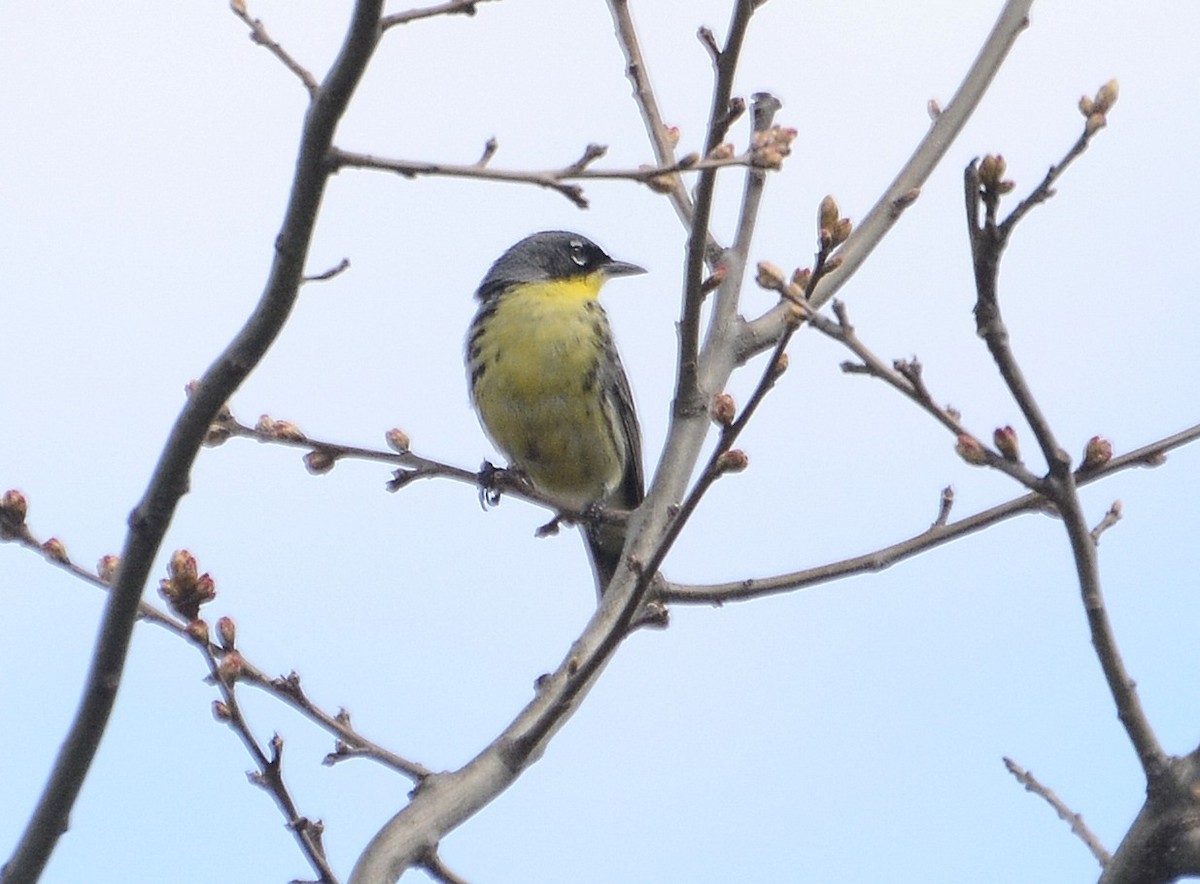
x,y
851,732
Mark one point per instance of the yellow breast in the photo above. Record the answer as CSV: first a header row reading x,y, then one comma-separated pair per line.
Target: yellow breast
x,y
535,357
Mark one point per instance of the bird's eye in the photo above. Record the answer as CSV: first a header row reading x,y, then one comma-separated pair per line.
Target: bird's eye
x,y
578,253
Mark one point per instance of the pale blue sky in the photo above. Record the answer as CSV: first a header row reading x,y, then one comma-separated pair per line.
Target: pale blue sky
x,y
850,733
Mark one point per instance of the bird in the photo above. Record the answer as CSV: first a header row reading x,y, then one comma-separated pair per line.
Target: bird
x,y
548,386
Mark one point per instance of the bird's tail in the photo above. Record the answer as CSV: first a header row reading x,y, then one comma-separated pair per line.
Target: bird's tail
x,y
604,544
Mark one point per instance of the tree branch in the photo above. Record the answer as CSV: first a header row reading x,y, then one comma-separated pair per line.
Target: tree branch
x,y
1074,820
450,7
937,534
984,185
552,179
150,519
688,396
906,186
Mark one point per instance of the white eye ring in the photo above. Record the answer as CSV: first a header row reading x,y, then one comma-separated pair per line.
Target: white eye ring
x,y
577,253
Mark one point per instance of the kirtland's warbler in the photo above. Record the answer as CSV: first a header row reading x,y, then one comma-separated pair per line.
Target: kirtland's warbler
x,y
548,384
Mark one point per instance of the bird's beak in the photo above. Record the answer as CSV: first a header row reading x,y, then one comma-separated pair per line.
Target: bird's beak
x,y
622,268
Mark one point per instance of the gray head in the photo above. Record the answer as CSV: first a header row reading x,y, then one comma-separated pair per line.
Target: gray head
x,y
551,254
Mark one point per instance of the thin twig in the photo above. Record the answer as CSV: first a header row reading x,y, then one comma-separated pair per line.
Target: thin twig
x,y
761,333
1074,820
656,128
286,689
1045,189
1013,19
688,398
225,673
983,187
945,505
557,180
438,870
906,376
1110,518
450,7
340,267
149,520
258,33
939,533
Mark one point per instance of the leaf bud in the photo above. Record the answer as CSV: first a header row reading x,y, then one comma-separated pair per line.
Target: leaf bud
x,y
231,667
1006,441
1106,97
183,566
991,170
732,461
197,631
55,551
106,568
722,409
398,440
769,276
828,214
971,450
841,231
13,508
319,461
287,431
227,632
1096,453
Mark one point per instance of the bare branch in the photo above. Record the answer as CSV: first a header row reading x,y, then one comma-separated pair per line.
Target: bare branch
x,y
341,267
984,184
225,673
688,397
1013,19
350,741
903,190
945,504
552,179
1110,518
659,133
438,870
450,7
149,520
1086,835
258,33
286,688
936,535
907,377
